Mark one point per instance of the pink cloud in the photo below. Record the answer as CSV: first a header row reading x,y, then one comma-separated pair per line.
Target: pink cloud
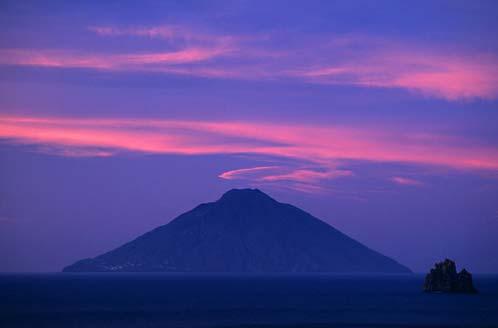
x,y
315,151
111,62
74,152
237,174
307,175
361,61
298,179
451,77
306,188
323,145
406,181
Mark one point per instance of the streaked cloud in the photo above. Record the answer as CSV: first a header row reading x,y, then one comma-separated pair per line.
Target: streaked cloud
x,y
362,61
308,175
163,32
317,153
291,177
244,173
169,33
430,72
406,181
111,62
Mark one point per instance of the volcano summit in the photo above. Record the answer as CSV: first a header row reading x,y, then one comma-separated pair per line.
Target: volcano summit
x,y
244,231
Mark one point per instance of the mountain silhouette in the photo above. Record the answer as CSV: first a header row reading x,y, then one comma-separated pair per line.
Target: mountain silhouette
x,y
244,231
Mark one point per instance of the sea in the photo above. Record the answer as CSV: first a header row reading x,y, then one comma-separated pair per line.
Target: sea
x,y
233,300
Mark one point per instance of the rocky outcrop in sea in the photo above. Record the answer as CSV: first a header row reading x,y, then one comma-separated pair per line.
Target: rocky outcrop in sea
x,y
444,278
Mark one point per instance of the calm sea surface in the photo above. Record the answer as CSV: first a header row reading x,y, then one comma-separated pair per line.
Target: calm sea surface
x,y
200,300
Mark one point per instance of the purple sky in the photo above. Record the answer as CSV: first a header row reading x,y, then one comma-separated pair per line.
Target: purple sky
x,y
378,117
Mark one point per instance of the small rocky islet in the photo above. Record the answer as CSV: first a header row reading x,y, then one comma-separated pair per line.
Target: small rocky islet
x,y
445,278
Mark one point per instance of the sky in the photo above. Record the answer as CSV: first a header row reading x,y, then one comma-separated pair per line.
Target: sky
x,y
378,117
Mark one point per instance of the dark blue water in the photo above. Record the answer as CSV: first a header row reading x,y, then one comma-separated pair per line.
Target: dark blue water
x,y
194,300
